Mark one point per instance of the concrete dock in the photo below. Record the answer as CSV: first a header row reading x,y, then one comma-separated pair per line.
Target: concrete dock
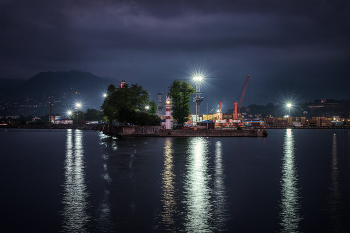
x,y
158,131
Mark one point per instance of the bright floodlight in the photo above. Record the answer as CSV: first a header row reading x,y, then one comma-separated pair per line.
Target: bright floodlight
x,y
104,95
197,78
69,113
289,105
78,105
147,107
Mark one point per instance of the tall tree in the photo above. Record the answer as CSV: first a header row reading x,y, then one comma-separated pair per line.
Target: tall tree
x,y
152,108
180,92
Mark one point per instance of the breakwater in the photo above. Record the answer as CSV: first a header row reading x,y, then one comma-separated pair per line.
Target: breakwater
x,y
158,131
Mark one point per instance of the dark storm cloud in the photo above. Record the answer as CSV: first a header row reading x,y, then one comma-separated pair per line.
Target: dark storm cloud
x,y
278,42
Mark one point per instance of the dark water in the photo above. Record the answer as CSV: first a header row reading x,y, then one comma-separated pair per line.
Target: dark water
x,y
84,181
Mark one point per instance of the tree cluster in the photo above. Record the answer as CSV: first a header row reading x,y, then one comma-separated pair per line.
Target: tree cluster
x,y
129,104
89,115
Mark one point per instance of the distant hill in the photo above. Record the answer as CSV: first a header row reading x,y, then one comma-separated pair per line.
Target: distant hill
x,y
62,87
49,82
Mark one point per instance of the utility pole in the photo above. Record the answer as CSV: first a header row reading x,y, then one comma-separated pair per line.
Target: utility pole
x,y
50,111
207,112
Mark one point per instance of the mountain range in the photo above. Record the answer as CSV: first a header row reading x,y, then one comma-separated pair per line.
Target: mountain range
x,y
63,88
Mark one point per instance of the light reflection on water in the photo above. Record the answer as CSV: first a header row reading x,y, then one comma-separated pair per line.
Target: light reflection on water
x,y
104,208
202,206
176,184
197,192
290,205
168,188
74,201
219,194
334,200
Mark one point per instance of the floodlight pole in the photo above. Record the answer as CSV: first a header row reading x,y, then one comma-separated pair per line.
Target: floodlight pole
x,y
198,99
289,105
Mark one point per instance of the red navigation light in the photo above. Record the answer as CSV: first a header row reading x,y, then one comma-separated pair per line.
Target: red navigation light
x,y
122,83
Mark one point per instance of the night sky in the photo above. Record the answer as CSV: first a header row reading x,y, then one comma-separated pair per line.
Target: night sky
x,y
293,50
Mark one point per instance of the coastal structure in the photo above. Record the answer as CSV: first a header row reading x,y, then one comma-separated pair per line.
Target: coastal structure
x,y
168,124
158,131
63,121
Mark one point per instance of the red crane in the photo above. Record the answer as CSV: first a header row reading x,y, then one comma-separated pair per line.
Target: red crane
x,y
238,109
220,110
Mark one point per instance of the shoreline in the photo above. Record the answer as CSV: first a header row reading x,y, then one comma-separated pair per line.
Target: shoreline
x,y
58,126
102,126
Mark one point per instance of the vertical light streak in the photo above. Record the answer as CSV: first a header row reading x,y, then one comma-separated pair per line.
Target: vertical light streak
x,y
105,222
75,193
197,191
168,188
289,191
334,188
219,193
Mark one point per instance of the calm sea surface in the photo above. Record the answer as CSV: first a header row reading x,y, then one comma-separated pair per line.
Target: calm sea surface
x,y
84,181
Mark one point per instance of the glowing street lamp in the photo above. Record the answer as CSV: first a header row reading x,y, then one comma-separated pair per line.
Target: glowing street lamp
x,y
69,113
104,95
198,78
147,107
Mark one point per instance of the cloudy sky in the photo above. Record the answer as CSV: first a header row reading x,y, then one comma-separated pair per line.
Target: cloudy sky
x,y
296,49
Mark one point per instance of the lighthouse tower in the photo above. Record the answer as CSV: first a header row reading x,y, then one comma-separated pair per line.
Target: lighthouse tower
x,y
168,124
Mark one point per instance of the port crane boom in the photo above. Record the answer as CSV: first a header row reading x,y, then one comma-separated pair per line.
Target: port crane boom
x,y
220,110
237,109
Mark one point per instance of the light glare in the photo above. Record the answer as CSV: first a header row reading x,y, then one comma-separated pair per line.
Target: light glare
x,y
198,78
